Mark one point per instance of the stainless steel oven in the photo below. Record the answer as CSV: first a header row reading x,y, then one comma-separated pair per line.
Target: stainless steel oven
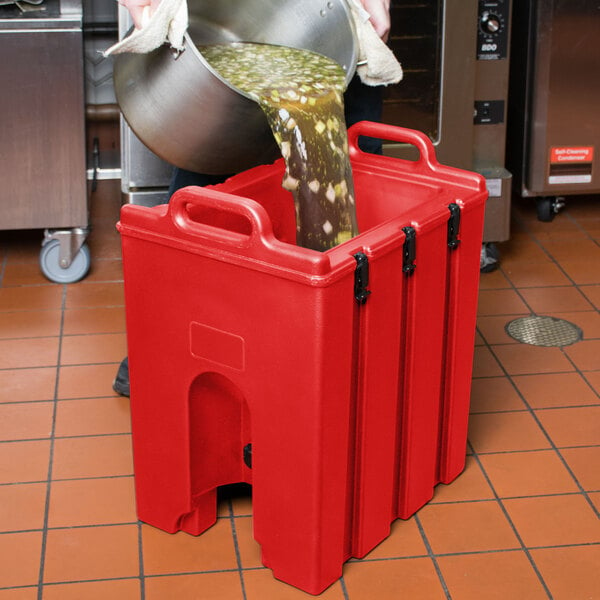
x,y
455,58
455,55
554,122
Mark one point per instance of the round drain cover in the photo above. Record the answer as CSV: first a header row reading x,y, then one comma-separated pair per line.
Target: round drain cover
x,y
544,331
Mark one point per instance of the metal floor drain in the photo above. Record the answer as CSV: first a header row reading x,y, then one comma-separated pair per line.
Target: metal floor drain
x,y
544,331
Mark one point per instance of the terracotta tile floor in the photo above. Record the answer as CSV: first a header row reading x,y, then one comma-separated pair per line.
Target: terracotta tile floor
x,y
521,521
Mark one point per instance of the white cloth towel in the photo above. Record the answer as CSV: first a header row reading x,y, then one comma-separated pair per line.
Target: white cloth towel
x,y
167,24
377,64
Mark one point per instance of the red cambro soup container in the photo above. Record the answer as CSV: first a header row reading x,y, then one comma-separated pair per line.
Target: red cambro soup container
x,y
336,383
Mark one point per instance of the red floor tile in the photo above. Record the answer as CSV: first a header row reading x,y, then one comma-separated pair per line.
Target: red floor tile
x,y
554,520
572,426
528,274
84,502
471,484
405,540
522,250
35,297
467,527
87,381
95,416
592,293
585,355
25,353
216,586
495,280
581,272
528,473
494,576
23,506
494,394
90,553
21,593
108,270
593,378
123,589
555,390
166,553
570,573
523,359
585,464
80,321
485,363
413,578
85,295
102,456
27,385
27,421
248,548
501,302
20,554
555,299
30,324
506,432
24,461
89,349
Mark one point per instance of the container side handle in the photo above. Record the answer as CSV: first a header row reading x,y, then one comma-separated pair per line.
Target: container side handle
x,y
393,134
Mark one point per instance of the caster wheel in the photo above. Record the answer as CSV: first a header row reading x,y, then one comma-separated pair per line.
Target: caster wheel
x,y
548,207
490,257
50,263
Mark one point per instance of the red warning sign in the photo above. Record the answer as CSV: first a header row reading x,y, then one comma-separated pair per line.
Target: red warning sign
x,y
571,154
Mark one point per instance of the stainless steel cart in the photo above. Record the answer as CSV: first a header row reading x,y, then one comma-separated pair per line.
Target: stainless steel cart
x,y
42,146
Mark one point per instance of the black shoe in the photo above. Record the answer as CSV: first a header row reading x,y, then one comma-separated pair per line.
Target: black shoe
x,y
121,382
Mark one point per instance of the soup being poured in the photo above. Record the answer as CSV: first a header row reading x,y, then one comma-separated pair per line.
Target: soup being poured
x,y
301,94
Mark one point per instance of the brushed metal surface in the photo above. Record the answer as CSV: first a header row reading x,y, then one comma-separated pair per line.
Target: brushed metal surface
x,y
187,115
556,93
42,146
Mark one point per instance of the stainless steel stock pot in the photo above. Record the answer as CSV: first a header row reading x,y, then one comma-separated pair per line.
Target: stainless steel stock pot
x,y
188,115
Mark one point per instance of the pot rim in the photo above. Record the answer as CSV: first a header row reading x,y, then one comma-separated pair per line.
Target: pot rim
x,y
190,44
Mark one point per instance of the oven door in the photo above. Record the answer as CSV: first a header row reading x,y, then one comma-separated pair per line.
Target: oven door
x,y
436,43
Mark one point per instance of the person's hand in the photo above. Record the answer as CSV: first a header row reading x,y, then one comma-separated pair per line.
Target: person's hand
x,y
380,16
136,9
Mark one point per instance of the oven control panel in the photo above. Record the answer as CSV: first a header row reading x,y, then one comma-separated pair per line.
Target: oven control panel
x,y
492,32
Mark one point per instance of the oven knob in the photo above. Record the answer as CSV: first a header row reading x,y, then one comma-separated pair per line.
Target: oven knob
x,y
490,23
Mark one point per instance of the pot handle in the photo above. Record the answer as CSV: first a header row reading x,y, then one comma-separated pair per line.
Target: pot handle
x,y
237,225
427,158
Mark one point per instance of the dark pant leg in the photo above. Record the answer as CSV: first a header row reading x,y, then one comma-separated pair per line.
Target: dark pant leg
x,y
364,103
182,178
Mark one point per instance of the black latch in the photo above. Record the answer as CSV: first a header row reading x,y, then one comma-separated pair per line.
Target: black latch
x,y
248,455
453,226
409,250
361,278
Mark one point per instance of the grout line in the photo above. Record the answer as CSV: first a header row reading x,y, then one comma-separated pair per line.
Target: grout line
x,y
432,556
344,588
238,556
142,575
512,525
548,437
51,452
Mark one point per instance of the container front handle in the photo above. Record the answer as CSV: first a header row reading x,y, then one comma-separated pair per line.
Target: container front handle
x,y
235,224
217,217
